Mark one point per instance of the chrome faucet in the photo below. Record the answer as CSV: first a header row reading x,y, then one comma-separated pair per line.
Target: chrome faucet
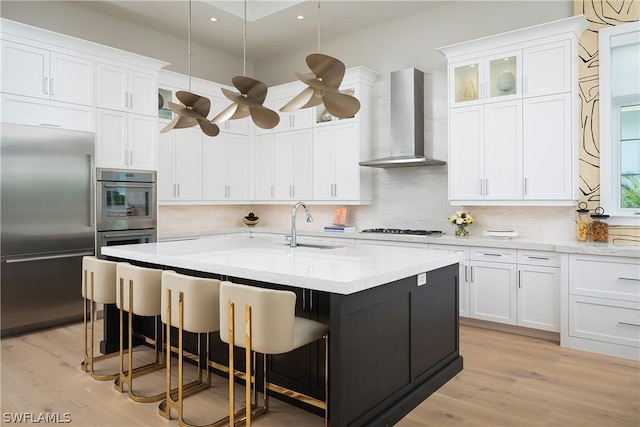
x,y
293,243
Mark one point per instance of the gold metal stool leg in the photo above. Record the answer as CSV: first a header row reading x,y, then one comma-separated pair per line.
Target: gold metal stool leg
x,y
126,377
87,364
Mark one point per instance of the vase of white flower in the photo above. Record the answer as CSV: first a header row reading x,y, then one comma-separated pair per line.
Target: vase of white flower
x,y
461,220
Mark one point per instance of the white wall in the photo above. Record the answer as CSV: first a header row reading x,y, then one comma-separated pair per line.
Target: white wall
x,y
403,198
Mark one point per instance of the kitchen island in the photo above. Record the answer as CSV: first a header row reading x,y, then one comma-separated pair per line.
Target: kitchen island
x,y
392,313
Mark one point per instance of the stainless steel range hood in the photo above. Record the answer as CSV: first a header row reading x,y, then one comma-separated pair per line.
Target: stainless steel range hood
x,y
407,123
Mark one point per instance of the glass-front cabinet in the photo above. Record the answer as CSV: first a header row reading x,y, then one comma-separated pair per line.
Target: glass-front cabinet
x,y
488,79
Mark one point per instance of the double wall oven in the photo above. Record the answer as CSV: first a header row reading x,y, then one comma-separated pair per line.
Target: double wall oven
x,y
125,207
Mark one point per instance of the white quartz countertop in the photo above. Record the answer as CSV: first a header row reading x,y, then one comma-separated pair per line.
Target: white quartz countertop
x,y
342,269
609,249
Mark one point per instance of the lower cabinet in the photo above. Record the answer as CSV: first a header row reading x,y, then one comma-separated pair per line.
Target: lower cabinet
x,y
464,277
604,305
539,297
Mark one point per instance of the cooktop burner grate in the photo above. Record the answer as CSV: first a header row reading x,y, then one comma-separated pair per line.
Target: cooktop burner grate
x,y
402,231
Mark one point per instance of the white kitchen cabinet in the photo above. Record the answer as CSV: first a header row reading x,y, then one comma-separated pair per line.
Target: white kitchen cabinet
x,y
127,90
264,167
218,104
125,140
464,279
512,108
41,112
44,74
603,298
547,68
493,291
225,168
548,126
180,165
538,291
336,173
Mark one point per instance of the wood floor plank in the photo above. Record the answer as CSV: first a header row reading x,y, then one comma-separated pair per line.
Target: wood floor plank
x,y
507,380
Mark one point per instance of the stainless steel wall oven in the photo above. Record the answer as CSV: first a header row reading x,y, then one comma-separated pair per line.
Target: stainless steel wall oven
x,y
125,207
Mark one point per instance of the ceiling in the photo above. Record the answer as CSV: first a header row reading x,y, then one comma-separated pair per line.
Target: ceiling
x,y
272,26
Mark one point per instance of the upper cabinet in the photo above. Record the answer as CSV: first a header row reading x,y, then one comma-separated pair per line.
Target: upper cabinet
x,y
127,90
512,116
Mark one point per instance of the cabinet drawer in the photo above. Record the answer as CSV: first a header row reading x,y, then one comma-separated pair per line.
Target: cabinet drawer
x,y
40,112
543,258
615,322
493,254
605,277
464,250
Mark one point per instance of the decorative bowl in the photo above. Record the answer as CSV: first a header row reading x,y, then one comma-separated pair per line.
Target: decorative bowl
x,y
250,223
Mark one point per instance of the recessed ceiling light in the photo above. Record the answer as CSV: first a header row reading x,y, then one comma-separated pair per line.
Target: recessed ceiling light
x,y
213,19
300,17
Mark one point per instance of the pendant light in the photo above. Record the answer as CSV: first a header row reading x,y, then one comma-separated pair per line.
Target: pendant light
x,y
195,108
251,96
324,86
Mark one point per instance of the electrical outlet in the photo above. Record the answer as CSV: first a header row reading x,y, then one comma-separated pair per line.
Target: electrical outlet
x,y
422,279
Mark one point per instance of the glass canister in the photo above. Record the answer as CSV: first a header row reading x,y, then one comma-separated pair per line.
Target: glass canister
x,y
598,229
582,226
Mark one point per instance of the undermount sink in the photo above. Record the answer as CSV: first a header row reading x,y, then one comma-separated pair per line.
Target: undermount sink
x,y
317,246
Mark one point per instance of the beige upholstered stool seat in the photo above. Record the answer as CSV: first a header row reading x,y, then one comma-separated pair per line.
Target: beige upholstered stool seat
x,y
263,321
98,287
189,304
138,292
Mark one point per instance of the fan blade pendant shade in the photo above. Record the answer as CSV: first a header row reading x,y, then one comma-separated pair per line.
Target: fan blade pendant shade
x,y
248,102
324,87
193,112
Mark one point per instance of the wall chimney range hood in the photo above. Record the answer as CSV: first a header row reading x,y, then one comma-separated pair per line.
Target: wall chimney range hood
x,y
407,123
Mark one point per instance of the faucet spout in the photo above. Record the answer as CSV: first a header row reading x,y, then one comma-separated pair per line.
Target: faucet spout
x,y
293,243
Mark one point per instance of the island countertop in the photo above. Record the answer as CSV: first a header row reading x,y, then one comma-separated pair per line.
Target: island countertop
x,y
342,269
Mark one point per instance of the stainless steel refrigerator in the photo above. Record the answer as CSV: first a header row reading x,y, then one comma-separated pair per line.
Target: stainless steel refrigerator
x,y
47,222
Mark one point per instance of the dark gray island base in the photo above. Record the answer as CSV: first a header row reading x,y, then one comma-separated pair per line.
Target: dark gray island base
x,y
391,346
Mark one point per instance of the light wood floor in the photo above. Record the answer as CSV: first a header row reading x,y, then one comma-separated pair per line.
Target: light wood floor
x,y
508,380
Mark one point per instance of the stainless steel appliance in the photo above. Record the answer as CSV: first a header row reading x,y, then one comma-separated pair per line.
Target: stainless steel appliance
x,y
126,207
47,214
433,233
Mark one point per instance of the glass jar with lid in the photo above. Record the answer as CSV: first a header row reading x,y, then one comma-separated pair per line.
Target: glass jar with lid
x,y
599,229
582,225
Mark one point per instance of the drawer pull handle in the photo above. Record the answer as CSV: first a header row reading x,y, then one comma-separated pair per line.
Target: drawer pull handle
x,y
628,323
490,254
539,257
629,278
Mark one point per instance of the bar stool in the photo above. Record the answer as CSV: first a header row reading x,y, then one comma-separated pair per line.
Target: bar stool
x,y
138,292
189,304
98,287
269,326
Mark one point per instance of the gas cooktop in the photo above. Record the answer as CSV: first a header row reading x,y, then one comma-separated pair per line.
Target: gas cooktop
x,y
403,231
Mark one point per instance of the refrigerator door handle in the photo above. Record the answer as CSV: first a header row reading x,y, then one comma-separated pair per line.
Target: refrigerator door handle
x,y
92,195
42,258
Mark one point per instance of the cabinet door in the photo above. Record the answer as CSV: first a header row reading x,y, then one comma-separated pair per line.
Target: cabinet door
x,y
502,77
493,292
283,174
237,167
142,90
323,163
25,70
464,82
549,165
345,158
166,165
539,297
188,164
71,79
42,112
111,88
547,69
264,170
214,170
143,137
111,139
302,164
466,153
503,151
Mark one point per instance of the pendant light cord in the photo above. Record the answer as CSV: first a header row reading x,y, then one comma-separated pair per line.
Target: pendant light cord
x,y
318,26
244,42
189,51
